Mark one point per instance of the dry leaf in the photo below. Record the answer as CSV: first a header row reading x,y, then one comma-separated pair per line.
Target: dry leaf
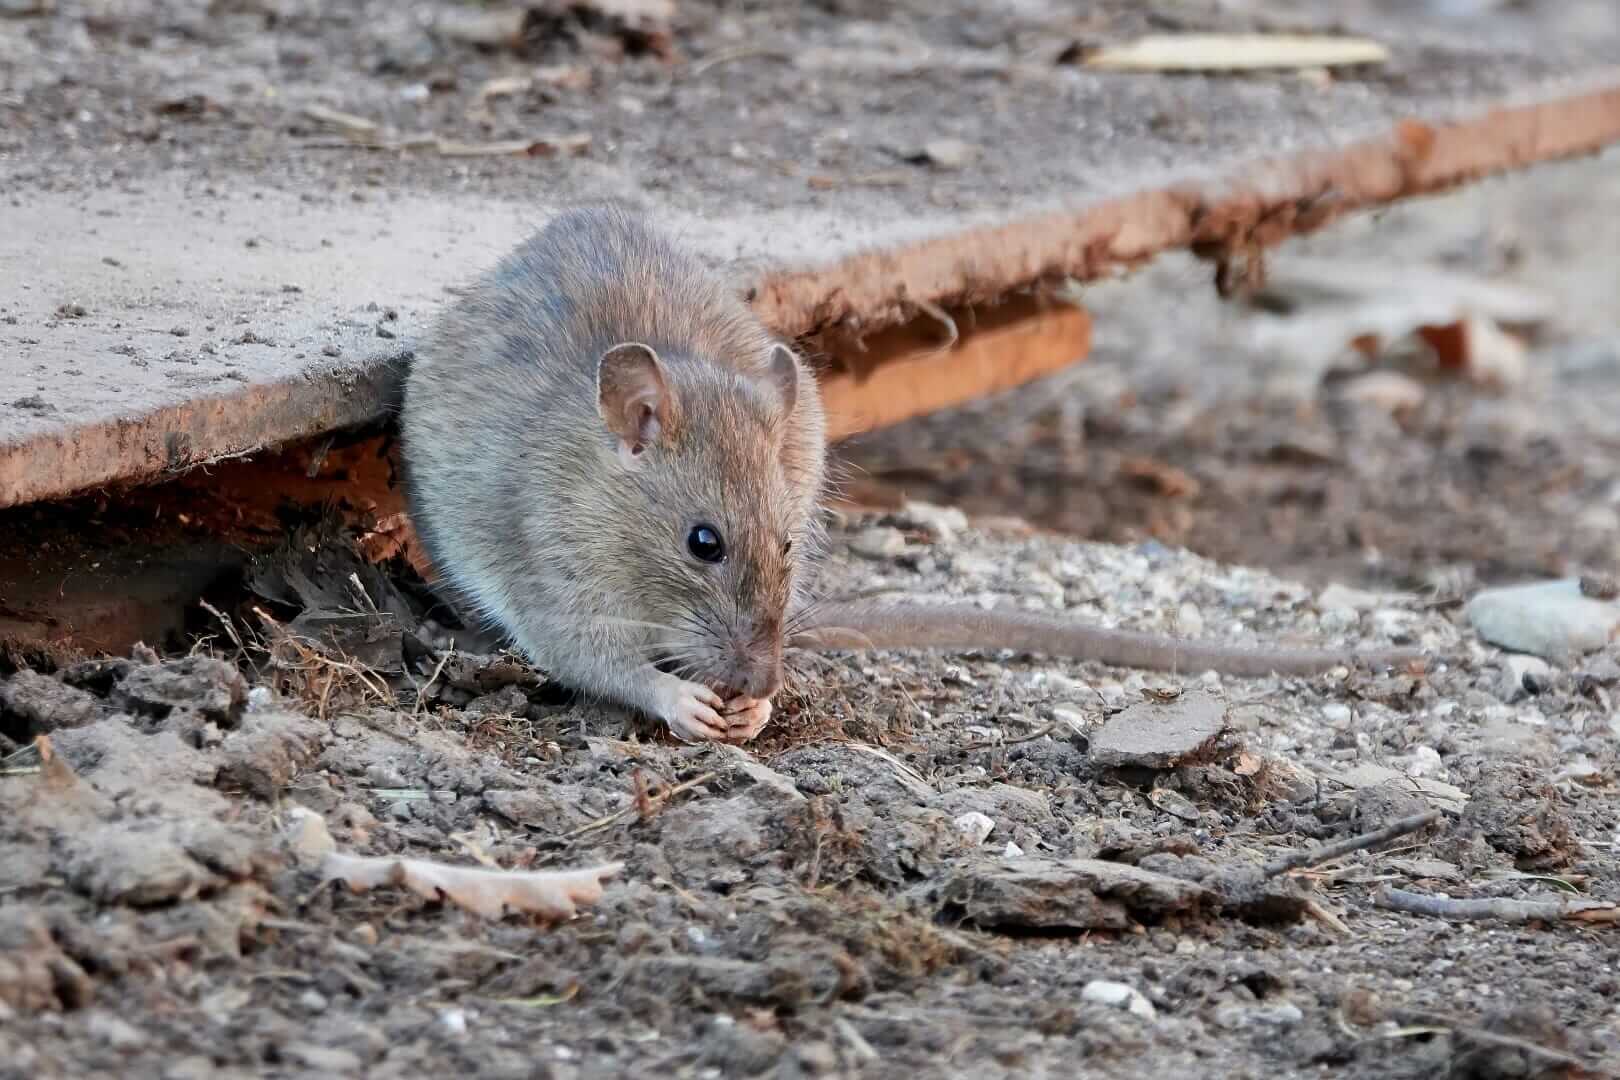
x,y
1235,52
550,894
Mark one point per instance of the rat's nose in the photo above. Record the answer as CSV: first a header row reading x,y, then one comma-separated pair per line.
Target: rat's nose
x,y
758,664
761,680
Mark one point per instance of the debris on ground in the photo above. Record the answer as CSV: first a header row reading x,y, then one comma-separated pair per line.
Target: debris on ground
x,y
1160,734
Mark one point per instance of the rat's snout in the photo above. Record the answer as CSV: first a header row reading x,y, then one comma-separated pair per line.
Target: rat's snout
x,y
756,662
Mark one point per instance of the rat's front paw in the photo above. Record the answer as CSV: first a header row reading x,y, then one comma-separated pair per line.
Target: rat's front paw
x,y
691,710
746,717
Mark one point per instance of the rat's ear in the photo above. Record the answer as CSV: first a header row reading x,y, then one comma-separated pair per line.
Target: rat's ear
x,y
785,374
635,399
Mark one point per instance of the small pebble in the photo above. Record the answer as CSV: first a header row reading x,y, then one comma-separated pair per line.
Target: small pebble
x,y
1073,719
1336,713
878,542
1389,391
1119,995
1425,761
976,827
454,1021
1522,676
940,522
313,1000
1339,620
1282,1014
1343,596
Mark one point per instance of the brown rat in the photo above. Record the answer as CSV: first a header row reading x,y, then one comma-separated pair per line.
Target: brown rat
x,y
609,458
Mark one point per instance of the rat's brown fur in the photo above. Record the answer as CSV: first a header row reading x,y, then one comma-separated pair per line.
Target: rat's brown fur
x,y
598,393
541,520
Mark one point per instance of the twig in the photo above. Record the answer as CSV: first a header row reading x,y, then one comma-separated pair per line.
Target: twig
x,y
653,803
421,692
1501,908
985,744
742,52
1326,917
1458,1029
225,620
1340,848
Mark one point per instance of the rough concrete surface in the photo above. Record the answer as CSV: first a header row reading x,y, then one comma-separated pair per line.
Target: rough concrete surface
x,y
174,146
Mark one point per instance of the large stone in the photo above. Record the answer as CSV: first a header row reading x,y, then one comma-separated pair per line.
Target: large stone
x,y
1160,734
1550,619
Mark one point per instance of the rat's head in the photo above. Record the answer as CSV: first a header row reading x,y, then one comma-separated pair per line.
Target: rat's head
x,y
719,469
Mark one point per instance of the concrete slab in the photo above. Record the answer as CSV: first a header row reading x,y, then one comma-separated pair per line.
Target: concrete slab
x,y
236,285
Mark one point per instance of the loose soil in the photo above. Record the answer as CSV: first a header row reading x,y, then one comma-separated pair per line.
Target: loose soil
x,y
825,901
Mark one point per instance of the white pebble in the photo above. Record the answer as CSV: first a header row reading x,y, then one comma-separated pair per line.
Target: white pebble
x,y
1012,850
975,826
1389,622
1336,713
1339,620
1073,719
878,542
454,1021
1346,598
1119,995
1520,673
942,522
1425,761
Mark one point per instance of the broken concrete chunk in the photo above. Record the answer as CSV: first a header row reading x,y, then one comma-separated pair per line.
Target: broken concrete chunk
x,y
121,864
1550,619
1076,894
1424,869
45,704
1160,734
269,750
534,808
201,684
35,975
1438,794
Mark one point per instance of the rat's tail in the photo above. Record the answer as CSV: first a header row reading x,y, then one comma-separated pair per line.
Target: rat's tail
x,y
859,626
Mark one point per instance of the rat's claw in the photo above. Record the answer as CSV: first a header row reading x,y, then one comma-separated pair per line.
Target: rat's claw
x,y
746,717
691,710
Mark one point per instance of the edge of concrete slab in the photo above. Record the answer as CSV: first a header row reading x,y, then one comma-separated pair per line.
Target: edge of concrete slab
x,y
1226,220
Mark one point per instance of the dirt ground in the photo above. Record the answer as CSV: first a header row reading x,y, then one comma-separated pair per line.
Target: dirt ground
x,y
827,901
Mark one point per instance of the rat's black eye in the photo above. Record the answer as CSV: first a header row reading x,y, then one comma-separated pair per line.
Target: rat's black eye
x,y
787,547
705,544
